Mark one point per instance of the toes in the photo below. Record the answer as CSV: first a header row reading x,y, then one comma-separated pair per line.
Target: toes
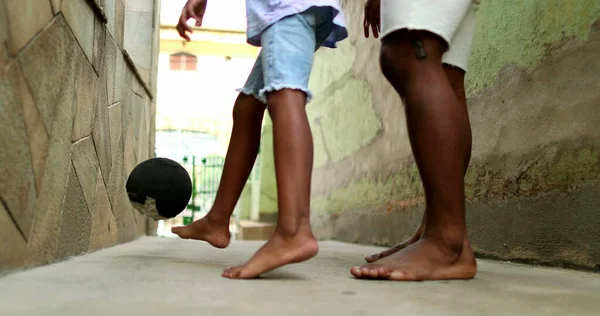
x,y
355,271
232,273
179,231
227,272
370,272
374,272
364,271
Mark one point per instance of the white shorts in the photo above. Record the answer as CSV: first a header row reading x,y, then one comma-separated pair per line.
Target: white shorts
x,y
452,20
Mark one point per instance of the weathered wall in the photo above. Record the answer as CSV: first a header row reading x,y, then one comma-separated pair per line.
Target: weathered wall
x,y
533,186
75,118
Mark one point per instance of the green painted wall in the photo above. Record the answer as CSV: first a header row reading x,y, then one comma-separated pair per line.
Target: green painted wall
x,y
350,114
522,32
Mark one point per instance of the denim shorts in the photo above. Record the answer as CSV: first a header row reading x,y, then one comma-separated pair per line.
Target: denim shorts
x,y
286,57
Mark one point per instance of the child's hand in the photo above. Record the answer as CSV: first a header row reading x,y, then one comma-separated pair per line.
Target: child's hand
x,y
372,13
193,9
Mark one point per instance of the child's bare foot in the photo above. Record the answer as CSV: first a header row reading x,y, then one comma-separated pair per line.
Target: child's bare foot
x,y
278,251
212,232
376,256
423,260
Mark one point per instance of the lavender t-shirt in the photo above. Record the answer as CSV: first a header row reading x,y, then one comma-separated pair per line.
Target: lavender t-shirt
x,y
262,13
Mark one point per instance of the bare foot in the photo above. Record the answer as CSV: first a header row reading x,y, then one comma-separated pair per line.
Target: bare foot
x,y
214,233
278,251
376,256
423,260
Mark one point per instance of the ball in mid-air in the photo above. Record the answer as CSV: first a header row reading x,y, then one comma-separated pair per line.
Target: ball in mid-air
x,y
159,188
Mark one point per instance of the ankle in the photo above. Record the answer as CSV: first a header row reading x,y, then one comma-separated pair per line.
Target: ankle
x,y
450,239
293,233
213,218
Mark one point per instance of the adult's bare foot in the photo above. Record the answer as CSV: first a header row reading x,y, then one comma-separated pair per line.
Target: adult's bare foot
x,y
376,256
216,234
424,260
278,251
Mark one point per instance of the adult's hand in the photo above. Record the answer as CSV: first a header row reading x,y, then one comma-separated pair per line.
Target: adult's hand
x,y
372,18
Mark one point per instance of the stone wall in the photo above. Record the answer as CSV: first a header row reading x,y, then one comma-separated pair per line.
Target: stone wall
x,y
75,118
533,186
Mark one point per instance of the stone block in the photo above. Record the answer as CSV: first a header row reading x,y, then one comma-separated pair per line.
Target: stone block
x,y
122,209
145,74
99,4
13,248
110,10
104,227
128,149
86,168
136,85
101,131
76,221
139,5
3,37
138,37
119,22
140,223
116,132
152,138
49,207
127,89
116,179
120,85
81,18
38,137
17,182
48,65
110,68
25,19
125,220
99,46
56,5
85,99
152,76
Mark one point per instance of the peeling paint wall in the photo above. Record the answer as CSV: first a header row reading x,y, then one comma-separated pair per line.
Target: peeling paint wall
x,y
533,186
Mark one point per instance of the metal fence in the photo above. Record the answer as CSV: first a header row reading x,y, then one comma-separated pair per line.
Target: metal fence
x,y
206,176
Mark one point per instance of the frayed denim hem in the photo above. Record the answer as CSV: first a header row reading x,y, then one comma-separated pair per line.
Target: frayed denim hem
x,y
276,87
251,93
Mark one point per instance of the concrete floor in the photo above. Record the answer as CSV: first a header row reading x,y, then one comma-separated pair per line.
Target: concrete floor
x,y
154,276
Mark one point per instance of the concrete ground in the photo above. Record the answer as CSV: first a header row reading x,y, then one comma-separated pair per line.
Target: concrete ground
x,y
154,276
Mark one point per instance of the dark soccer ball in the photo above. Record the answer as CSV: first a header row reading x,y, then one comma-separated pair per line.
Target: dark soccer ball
x,y
159,188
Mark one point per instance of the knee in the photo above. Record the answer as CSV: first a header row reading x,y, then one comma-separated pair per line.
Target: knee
x,y
398,65
406,54
286,100
247,108
394,65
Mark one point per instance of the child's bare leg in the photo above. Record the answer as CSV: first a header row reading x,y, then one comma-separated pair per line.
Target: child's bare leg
x,y
293,240
440,136
248,114
456,77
